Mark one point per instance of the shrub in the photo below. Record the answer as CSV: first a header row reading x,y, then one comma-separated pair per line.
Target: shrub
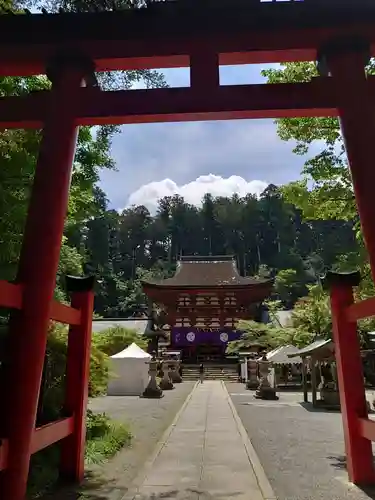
x,y
115,339
99,372
104,344
104,437
53,385
97,424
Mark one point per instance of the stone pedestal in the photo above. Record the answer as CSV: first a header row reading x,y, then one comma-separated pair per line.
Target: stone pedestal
x,y
152,390
166,383
330,397
252,380
265,391
174,374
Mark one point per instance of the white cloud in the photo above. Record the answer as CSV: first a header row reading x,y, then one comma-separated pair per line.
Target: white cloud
x,y
193,191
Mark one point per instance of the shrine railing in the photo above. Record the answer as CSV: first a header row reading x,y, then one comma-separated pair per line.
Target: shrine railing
x,y
79,318
359,430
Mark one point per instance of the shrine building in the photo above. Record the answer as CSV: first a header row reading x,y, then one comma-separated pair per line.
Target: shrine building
x,y
203,303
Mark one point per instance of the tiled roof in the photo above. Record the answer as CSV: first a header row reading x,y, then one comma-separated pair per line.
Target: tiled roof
x,y
322,347
212,271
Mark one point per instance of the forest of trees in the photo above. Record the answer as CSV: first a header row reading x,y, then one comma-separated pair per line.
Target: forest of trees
x,y
267,236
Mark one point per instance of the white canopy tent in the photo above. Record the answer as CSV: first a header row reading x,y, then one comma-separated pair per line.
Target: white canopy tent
x,y
129,369
281,356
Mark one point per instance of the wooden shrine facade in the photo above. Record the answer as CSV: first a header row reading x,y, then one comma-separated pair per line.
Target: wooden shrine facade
x,y
201,35
204,301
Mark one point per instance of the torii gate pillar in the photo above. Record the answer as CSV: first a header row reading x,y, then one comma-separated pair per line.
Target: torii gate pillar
x,y
38,266
345,61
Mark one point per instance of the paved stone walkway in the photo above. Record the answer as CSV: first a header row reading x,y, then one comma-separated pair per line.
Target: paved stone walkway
x,y
301,448
205,455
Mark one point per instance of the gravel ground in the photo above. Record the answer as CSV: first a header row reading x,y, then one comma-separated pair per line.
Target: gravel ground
x,y
302,451
148,419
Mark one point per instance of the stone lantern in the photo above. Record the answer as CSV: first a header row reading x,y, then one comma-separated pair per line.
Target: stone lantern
x,y
252,374
166,383
152,390
265,391
174,371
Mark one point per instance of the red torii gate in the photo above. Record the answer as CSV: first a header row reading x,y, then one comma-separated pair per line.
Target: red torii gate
x,y
69,48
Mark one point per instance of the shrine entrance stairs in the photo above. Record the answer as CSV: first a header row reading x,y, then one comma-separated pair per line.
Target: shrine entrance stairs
x,y
226,372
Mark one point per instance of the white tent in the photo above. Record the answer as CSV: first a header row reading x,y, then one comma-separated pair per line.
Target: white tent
x,y
280,356
129,370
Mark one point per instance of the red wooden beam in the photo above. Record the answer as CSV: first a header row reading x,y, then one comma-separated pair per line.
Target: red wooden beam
x,y
51,433
361,310
367,428
3,453
10,295
95,107
65,314
168,50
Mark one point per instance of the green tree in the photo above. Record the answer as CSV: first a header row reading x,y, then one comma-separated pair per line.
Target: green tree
x,y
115,339
289,285
325,191
331,195
312,314
254,335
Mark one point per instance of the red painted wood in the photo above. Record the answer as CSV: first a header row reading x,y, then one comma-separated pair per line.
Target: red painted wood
x,y
357,118
10,295
3,454
51,433
65,314
351,386
251,47
317,98
360,310
204,70
37,271
367,428
77,379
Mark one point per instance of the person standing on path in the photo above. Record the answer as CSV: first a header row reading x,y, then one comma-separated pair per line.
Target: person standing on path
x,y
201,372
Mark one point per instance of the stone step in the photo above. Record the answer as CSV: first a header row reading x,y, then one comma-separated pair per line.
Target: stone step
x,y
207,372
219,376
211,372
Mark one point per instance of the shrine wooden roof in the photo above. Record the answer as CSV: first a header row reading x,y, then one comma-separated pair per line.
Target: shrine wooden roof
x,y
208,272
320,349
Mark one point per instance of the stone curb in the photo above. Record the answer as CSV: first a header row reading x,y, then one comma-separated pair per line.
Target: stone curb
x,y
140,478
263,483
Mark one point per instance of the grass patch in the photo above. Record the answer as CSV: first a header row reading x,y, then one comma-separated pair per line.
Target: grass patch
x,y
104,438
104,447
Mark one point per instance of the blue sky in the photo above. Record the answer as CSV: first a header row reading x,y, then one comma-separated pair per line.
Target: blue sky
x,y
154,160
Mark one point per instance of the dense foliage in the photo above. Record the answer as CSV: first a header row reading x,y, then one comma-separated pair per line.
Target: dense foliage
x,y
267,235
325,190
310,319
104,344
